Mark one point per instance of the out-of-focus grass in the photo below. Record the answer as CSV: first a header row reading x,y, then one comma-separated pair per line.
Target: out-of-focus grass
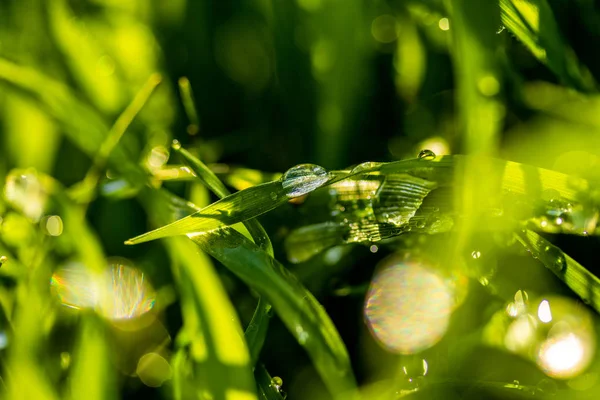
x,y
86,132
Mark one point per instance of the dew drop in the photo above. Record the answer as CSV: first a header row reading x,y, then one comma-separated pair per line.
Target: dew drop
x,y
476,254
277,382
426,155
304,178
516,382
176,145
3,259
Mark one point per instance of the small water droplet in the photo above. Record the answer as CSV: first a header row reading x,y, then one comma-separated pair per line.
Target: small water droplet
x,y
476,254
554,258
273,196
176,145
516,382
373,249
3,259
426,154
304,178
277,382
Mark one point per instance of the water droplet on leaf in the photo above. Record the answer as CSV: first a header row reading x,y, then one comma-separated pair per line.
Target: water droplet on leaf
x,y
303,179
426,155
176,145
3,259
277,382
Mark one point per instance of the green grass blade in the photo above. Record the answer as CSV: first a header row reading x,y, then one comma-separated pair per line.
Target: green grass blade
x,y
304,317
476,57
533,22
232,209
187,98
92,374
219,356
80,122
210,180
256,332
581,281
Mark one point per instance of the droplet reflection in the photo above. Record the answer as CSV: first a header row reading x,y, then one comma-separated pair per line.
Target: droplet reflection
x,y
121,292
408,307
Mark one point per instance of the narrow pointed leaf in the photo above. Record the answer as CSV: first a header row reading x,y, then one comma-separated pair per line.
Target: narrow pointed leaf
x,y
578,278
304,317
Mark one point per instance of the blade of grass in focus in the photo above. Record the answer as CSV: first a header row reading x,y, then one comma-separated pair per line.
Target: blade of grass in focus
x,y
533,22
304,317
578,278
257,329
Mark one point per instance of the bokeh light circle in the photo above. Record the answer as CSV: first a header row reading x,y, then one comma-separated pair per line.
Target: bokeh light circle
x,y
408,307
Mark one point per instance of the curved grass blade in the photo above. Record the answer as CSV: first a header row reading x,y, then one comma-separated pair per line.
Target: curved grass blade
x,y
210,180
533,22
246,204
256,332
581,281
232,209
304,317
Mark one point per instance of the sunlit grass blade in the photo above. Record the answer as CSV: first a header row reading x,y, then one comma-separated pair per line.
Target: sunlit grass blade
x,y
91,376
533,22
246,204
578,278
235,208
218,354
304,317
257,330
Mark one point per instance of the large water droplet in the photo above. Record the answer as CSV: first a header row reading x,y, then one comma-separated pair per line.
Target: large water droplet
x,y
426,154
277,382
303,179
554,259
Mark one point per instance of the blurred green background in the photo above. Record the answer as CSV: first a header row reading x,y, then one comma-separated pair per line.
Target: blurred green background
x,y
276,83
